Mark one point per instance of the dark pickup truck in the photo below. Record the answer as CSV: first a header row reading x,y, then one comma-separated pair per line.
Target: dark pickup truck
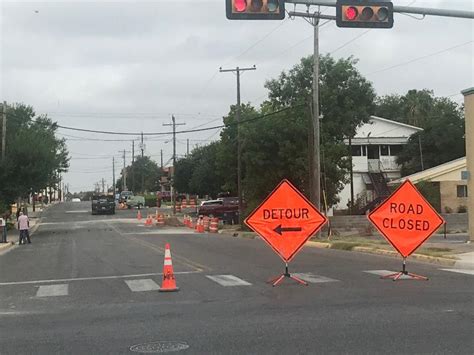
x,y
103,204
226,208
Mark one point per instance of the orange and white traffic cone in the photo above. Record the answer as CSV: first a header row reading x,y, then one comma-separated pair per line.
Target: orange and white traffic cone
x,y
139,215
214,226
206,221
199,225
149,221
160,220
169,282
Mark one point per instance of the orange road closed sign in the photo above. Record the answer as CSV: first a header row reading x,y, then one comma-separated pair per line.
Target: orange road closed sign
x,y
286,220
406,219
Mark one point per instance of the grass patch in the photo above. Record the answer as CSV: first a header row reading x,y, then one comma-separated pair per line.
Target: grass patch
x,y
436,252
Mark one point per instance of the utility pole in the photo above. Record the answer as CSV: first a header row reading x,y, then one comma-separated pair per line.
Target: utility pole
x,y
239,151
142,147
4,129
132,167
103,186
124,173
161,155
113,175
173,192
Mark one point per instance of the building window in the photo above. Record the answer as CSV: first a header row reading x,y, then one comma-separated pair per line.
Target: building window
x,y
461,190
384,150
373,151
364,150
356,150
395,150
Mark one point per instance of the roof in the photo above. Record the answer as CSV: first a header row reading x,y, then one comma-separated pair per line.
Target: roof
x,y
434,173
396,123
380,130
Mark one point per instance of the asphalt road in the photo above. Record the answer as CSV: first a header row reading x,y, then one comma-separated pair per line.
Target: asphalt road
x,y
87,285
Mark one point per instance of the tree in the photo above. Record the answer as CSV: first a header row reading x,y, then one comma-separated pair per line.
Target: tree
x,y
442,139
442,120
35,157
347,100
146,175
198,173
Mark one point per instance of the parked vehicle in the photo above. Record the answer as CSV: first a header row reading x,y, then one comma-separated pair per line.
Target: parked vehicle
x,y
124,196
103,204
135,201
226,208
76,199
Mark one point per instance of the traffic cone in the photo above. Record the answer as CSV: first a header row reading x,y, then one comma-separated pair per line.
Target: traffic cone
x,y
206,221
149,221
169,282
160,220
214,226
139,215
199,225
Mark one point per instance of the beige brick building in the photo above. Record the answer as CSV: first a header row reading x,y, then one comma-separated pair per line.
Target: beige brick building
x,y
451,180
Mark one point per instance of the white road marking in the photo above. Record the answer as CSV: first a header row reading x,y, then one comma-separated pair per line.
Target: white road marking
x,y
80,211
309,277
142,285
162,231
380,272
461,271
387,272
228,280
53,290
93,278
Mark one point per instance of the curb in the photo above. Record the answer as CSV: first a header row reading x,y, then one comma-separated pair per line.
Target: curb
x,y
391,253
368,250
5,246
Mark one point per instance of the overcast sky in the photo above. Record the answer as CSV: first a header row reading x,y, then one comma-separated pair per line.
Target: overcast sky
x,y
127,66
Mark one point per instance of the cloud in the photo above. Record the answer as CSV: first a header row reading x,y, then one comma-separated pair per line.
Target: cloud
x,y
129,65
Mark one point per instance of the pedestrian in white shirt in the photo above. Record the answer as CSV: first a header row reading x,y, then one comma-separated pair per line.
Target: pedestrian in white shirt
x,y
23,226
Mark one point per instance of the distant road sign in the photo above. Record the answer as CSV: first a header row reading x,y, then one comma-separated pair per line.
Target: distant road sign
x,y
406,219
286,219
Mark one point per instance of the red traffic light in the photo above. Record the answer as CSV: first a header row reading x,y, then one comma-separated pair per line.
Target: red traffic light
x,y
240,5
364,13
255,9
351,13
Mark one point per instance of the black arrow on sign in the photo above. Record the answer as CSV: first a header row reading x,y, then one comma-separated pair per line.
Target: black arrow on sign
x,y
281,229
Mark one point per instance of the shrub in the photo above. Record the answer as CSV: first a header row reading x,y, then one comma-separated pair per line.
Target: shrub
x,y
462,209
448,209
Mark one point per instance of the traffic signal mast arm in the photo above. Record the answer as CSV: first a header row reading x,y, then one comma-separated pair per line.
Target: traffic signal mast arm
x,y
398,9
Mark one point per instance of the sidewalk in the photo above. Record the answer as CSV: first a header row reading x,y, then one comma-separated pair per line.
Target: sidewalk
x,y
13,235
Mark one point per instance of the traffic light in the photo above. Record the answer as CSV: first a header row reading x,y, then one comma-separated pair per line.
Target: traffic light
x,y
255,9
364,14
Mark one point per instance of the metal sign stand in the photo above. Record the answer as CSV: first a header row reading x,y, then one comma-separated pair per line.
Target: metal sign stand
x,y
276,280
396,276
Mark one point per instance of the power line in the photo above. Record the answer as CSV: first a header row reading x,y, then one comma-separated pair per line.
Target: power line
x,y
350,41
419,58
177,132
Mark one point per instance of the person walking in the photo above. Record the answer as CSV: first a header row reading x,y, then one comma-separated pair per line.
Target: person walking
x,y
23,226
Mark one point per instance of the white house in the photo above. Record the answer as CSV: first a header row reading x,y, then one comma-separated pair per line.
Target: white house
x,y
374,151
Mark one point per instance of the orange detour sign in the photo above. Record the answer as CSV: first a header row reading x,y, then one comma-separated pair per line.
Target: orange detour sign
x,y
169,282
406,220
286,220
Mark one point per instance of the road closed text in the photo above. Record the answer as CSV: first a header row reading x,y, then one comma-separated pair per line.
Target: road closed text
x,y
410,220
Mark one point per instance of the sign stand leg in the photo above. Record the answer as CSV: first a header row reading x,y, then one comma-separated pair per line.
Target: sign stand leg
x,y
396,276
276,280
